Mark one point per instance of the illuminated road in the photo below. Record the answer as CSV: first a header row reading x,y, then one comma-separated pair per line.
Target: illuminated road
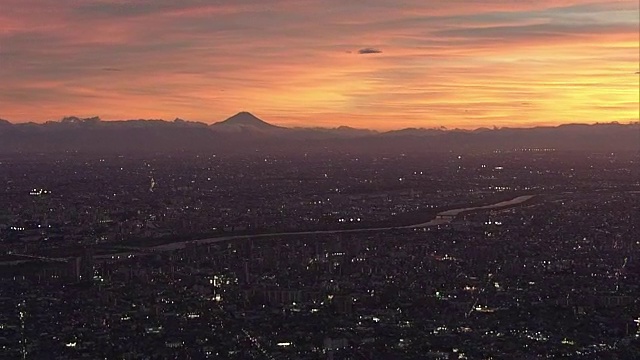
x,y
36,257
449,216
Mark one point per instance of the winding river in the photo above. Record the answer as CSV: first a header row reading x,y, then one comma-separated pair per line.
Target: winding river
x,y
441,218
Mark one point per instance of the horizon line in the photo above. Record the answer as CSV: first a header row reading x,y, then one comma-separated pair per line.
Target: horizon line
x,y
440,127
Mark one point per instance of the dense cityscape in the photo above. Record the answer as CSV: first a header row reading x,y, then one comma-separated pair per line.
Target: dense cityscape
x,y
521,254
319,180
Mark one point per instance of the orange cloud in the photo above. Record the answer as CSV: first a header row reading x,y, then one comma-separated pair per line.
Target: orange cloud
x,y
297,63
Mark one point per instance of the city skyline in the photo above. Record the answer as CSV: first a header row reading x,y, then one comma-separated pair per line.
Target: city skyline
x,y
509,254
380,66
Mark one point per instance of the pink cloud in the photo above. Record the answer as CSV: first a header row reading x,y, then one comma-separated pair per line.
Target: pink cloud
x,y
285,58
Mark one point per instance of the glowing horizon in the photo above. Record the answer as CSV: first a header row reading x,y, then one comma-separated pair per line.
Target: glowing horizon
x,y
311,63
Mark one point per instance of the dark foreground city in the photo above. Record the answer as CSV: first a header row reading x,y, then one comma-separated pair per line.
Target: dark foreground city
x,y
523,254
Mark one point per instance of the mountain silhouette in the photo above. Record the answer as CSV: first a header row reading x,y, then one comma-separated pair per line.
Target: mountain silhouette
x,y
247,133
245,122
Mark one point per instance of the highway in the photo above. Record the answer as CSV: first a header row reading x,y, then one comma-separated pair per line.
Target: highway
x,y
449,215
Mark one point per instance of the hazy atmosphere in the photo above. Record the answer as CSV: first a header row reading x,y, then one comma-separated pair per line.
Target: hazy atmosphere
x,y
375,64
319,179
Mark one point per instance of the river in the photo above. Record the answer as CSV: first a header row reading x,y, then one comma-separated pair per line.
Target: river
x,y
443,217
450,214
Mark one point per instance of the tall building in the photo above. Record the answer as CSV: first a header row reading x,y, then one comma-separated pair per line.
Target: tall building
x,y
82,267
342,304
247,278
22,311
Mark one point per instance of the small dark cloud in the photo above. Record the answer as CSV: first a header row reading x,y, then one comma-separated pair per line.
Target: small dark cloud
x,y
369,51
637,72
111,69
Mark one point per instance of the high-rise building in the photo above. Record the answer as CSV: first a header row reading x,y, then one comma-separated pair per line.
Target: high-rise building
x,y
247,278
81,268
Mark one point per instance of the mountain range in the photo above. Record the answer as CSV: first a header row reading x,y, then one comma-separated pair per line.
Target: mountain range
x,y
244,132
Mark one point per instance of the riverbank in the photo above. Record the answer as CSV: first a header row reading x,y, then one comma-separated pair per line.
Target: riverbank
x,y
441,218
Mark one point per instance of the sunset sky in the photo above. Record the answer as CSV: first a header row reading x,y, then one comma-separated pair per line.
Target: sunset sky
x,y
378,63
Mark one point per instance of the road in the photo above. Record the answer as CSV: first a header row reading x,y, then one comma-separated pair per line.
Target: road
x,y
449,216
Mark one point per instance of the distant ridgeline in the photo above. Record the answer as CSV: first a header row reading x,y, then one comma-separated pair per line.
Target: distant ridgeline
x,y
246,133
